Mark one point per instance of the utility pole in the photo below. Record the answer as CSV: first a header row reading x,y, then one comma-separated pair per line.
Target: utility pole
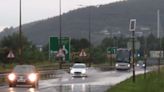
x,y
158,35
89,36
60,34
20,32
145,57
60,25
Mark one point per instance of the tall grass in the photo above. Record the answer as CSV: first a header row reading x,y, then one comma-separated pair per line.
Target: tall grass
x,y
154,82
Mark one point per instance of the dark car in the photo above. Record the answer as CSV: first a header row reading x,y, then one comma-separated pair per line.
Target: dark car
x,y
140,64
23,74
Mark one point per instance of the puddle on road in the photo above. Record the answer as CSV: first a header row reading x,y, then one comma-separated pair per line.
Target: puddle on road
x,y
20,89
81,88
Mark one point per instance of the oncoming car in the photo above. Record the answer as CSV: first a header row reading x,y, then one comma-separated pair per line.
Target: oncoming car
x,y
141,64
78,70
23,74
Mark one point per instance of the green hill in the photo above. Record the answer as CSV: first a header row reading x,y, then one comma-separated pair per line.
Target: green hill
x,y
110,18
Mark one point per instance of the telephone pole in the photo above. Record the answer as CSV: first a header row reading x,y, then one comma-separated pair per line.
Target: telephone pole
x,y
20,33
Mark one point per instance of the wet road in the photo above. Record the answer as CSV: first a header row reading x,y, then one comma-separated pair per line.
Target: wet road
x,y
97,81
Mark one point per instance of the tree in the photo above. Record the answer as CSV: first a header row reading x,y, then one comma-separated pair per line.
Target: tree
x,y
153,42
12,42
77,45
30,52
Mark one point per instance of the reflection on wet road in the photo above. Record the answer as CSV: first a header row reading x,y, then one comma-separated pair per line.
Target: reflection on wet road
x,y
61,88
97,81
82,88
22,89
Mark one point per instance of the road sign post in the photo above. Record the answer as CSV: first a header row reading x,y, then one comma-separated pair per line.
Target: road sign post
x,y
111,51
54,47
66,47
10,55
82,54
132,28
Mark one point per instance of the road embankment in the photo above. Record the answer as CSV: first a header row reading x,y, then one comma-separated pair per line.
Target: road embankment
x,y
154,82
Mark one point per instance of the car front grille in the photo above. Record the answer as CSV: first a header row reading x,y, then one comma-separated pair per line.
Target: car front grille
x,y
77,73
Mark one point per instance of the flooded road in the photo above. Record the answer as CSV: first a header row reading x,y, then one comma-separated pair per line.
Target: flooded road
x,y
97,81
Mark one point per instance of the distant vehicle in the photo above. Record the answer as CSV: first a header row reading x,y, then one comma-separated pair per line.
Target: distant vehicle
x,y
140,64
23,74
78,70
122,59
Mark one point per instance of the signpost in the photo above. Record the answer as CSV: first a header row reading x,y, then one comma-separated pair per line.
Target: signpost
x,y
10,55
111,50
66,47
54,47
111,53
82,53
132,28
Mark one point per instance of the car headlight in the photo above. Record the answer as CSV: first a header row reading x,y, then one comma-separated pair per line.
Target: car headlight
x,y
138,65
116,65
143,65
128,65
32,77
72,71
83,71
11,76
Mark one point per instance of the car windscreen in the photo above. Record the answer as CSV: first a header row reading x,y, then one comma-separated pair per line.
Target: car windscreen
x,y
79,66
23,69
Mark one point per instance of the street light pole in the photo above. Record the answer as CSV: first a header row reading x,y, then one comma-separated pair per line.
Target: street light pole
x,y
158,35
20,31
60,34
145,57
60,24
89,36
89,33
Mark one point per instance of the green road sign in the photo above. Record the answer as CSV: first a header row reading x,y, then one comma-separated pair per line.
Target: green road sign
x,y
54,47
66,47
54,44
111,50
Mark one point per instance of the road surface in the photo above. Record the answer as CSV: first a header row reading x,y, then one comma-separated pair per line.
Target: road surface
x,y
97,81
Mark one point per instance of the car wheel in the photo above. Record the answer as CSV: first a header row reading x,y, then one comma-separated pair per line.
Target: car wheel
x,y
12,85
35,85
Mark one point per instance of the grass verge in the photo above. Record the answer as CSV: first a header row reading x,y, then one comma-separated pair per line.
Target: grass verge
x,y
153,82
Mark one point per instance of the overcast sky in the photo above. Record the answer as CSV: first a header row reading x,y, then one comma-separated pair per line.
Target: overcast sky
x,y
39,9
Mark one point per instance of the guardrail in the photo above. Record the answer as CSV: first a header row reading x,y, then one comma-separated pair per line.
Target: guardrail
x,y
50,73
2,78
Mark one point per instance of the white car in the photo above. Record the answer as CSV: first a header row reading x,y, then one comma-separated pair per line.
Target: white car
x,y
78,70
